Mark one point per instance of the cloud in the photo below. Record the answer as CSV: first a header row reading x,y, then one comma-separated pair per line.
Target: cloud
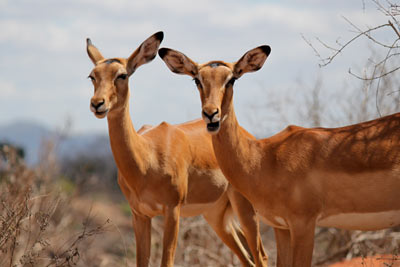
x,y
44,62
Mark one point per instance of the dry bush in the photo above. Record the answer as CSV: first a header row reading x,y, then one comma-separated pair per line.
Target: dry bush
x,y
335,244
33,217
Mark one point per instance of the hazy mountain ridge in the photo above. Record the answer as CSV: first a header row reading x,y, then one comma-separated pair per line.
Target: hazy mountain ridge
x,y
32,135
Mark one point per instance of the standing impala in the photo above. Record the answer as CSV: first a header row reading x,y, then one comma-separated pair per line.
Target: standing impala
x,y
345,177
167,170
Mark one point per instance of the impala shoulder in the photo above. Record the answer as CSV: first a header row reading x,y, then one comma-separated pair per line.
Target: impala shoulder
x,y
171,132
158,134
294,128
145,128
290,131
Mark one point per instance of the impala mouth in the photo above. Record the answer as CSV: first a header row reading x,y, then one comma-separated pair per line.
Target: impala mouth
x,y
101,114
213,127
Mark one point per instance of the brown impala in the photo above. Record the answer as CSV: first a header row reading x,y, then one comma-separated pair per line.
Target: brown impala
x,y
167,170
345,177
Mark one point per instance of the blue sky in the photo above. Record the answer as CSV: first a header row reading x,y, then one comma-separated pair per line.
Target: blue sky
x,y
44,66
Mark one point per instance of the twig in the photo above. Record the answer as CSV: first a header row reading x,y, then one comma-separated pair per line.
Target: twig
x,y
341,250
374,77
328,60
395,30
123,241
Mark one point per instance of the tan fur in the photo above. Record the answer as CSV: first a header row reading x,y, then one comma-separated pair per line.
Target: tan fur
x,y
342,177
167,170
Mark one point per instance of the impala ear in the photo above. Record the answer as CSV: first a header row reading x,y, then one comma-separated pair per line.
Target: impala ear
x,y
177,62
145,53
253,60
93,52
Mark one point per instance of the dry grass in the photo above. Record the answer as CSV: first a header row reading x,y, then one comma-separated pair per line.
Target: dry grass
x,y
35,227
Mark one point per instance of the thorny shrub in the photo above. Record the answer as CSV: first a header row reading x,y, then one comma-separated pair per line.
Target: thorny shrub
x,y
31,220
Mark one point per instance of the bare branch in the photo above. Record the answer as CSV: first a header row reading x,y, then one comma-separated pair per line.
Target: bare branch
x,y
374,77
328,60
367,33
312,47
395,30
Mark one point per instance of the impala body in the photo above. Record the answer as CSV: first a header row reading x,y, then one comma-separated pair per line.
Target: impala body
x,y
167,170
345,177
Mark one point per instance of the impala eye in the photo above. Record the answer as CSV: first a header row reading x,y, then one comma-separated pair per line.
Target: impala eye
x,y
92,78
197,81
122,76
231,82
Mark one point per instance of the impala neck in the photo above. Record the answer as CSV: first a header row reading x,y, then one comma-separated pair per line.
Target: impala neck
x,y
130,150
235,151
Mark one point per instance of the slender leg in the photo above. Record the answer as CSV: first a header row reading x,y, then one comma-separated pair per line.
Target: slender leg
x,y
250,225
217,219
283,248
302,240
142,228
171,228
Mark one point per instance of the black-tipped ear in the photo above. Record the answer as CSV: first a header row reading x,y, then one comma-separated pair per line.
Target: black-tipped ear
x,y
93,52
145,53
162,52
159,36
177,62
266,49
252,60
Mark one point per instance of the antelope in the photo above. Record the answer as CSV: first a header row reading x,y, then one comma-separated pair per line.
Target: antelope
x,y
300,178
168,170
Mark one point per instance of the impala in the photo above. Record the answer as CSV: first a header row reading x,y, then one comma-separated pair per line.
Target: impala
x,y
345,177
167,170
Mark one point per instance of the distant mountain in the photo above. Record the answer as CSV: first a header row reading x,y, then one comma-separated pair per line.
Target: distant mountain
x,y
32,135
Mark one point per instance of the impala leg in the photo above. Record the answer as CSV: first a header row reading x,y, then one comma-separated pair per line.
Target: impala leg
x,y
171,228
250,225
283,248
302,240
217,218
142,228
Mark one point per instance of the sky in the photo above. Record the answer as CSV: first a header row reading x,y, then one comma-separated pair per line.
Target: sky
x,y
44,65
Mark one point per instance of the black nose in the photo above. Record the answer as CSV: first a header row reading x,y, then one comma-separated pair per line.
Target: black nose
x,y
96,106
210,116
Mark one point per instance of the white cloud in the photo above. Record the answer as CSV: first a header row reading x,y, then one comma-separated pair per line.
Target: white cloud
x,y
45,62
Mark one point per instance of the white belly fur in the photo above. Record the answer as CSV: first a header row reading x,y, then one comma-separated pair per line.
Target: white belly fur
x,y
361,221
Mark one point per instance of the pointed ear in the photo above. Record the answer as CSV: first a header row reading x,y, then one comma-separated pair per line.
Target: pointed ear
x,y
93,52
178,62
253,60
145,53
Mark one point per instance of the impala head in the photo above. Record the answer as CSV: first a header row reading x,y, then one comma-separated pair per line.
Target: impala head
x,y
110,76
215,79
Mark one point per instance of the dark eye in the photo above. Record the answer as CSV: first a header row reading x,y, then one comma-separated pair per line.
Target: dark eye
x,y
197,81
231,82
122,76
92,78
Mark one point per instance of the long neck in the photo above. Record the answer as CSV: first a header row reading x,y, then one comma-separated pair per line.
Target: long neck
x,y
236,151
130,150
